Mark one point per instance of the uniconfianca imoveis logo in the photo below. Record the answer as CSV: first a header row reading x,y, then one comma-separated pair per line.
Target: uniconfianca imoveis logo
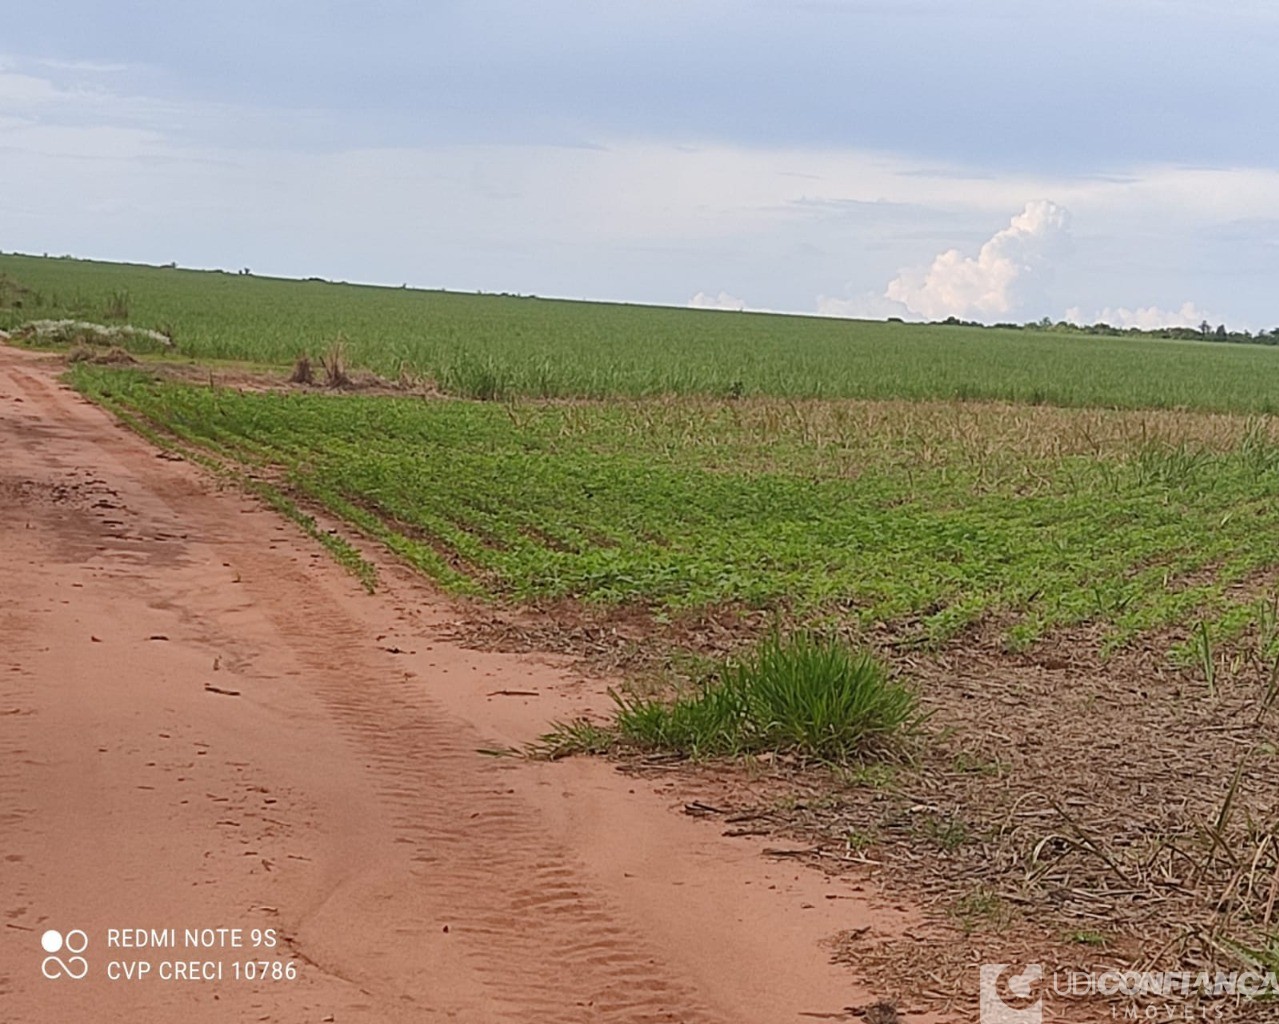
x,y
1012,994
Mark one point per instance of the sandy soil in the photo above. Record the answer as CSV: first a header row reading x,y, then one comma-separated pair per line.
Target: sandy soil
x,y
204,723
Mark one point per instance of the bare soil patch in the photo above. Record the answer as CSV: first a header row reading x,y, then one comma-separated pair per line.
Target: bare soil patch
x,y
1097,810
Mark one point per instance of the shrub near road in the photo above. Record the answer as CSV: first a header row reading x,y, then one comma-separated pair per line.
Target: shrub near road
x,y
806,694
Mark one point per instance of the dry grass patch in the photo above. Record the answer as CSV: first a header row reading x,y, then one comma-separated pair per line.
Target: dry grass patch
x,y
303,371
334,362
113,356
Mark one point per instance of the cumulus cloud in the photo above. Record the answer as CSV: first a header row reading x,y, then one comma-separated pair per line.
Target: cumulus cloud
x,y
721,301
1005,277
1145,317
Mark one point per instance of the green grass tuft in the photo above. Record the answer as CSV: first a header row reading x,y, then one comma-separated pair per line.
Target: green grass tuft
x,y
578,736
802,694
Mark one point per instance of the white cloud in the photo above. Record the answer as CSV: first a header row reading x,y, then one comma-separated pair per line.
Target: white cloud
x,y
869,306
1004,278
721,301
1145,317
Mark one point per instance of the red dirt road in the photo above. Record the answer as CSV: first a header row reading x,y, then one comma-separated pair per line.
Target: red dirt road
x,y
201,726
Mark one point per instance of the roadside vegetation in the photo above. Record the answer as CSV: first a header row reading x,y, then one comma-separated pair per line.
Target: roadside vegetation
x,y
802,694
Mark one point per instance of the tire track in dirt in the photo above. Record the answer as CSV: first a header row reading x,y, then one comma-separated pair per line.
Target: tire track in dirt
x,y
16,748
534,929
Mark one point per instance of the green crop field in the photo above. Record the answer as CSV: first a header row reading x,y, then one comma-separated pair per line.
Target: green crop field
x,y
713,477
500,347
922,517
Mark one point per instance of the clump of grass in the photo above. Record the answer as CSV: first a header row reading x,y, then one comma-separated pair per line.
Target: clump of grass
x,y
335,364
1201,646
303,371
948,832
802,694
579,736
113,356
981,908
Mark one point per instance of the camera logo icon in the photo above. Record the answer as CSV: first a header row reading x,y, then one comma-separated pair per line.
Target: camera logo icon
x,y
1012,994
72,966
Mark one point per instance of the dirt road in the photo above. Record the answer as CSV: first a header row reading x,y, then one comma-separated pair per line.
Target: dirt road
x,y
205,724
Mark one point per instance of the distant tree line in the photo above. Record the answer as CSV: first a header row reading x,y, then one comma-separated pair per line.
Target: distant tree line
x,y
1204,332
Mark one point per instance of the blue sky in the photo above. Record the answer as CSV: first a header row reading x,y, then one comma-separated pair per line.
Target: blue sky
x,y
994,160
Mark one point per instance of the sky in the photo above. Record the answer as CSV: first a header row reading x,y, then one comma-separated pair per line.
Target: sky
x,y
995,160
